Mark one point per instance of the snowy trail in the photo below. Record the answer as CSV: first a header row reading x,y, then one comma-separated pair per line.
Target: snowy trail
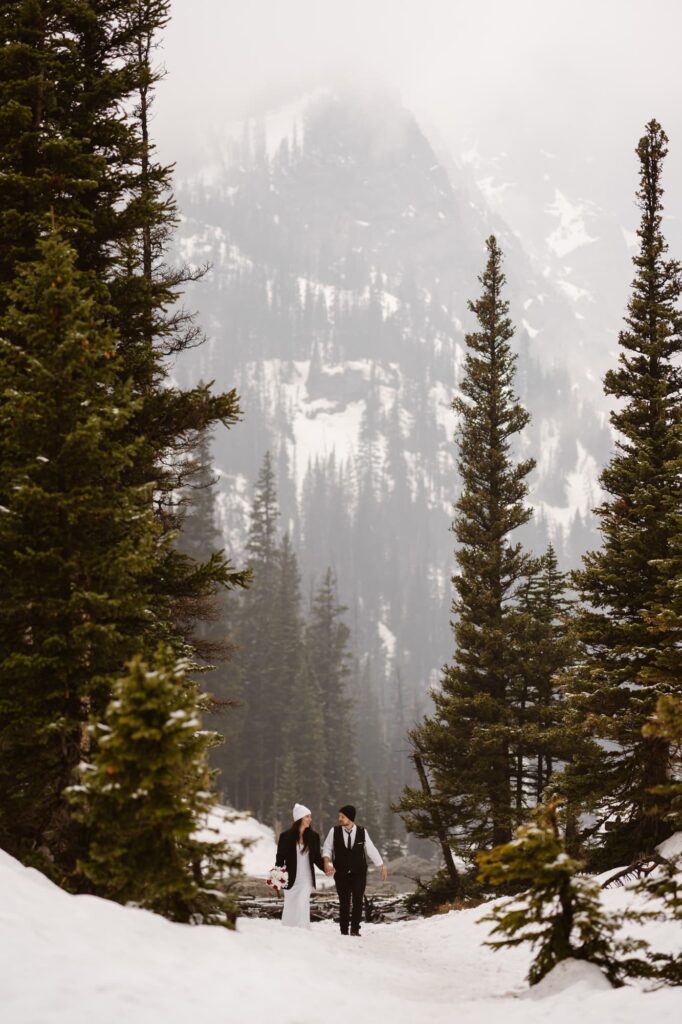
x,y
79,959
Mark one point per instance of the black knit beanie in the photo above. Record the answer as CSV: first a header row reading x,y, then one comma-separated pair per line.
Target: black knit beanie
x,y
348,810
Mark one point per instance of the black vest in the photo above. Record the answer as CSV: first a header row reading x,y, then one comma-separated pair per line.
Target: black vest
x,y
351,861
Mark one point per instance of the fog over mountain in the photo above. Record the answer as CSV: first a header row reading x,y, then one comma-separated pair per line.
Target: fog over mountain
x,y
342,255
344,218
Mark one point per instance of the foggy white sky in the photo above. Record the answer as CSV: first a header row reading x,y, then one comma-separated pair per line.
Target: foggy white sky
x,y
578,78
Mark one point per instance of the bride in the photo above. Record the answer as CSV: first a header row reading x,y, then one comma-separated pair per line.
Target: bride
x,y
298,848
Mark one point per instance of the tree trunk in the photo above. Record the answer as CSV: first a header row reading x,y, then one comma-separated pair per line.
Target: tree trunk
x,y
440,829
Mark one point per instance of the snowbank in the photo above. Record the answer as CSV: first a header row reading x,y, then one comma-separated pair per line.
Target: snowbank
x,y
259,855
575,975
82,960
671,847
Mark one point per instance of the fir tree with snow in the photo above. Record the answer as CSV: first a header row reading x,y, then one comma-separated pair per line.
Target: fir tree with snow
x,y
560,915
144,796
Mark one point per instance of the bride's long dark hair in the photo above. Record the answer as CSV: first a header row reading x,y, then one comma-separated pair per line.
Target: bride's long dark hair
x,y
296,828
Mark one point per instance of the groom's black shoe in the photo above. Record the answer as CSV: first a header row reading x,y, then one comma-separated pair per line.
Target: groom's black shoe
x,y
356,934
344,933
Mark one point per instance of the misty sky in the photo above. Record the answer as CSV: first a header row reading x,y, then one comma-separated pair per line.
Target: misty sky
x,y
578,78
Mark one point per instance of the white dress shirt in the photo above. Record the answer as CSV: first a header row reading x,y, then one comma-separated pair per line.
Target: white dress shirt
x,y
372,852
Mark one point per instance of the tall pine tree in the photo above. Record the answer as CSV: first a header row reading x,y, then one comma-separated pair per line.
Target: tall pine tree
x,y
327,638
465,747
256,659
298,699
627,586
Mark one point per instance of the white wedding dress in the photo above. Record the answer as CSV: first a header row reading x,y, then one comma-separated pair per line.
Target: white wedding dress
x,y
296,913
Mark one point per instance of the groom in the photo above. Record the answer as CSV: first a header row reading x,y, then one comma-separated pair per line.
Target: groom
x,y
347,845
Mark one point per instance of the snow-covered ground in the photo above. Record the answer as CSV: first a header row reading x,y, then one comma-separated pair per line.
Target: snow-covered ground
x,y
76,959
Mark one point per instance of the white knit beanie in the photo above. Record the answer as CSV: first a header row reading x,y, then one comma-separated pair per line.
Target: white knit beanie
x,y
300,811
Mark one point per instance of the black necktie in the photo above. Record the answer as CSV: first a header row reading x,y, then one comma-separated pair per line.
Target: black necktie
x,y
349,835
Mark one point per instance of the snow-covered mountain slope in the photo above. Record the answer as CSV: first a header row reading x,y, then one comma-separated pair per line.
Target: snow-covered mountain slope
x,y
342,263
579,233
83,960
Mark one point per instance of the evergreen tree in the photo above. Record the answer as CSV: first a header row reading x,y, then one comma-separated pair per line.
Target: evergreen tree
x,y
65,149
296,698
660,883
465,748
542,739
77,543
327,645
302,732
561,913
208,620
257,658
76,88
666,724
372,813
145,797
623,667
203,616
200,535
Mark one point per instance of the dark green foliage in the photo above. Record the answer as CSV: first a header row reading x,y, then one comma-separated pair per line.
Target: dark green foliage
x,y
65,73
91,578
666,724
202,615
256,661
628,655
301,740
542,739
76,88
663,885
560,915
145,796
77,543
466,746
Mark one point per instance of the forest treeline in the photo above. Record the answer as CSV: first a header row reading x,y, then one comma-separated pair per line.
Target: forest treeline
x,y
292,697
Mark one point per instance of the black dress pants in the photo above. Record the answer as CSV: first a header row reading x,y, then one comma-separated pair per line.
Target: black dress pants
x,y
351,889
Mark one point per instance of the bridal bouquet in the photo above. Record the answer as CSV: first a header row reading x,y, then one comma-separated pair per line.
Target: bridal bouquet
x,y
278,878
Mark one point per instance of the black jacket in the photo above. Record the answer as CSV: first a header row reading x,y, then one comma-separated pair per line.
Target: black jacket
x,y
286,854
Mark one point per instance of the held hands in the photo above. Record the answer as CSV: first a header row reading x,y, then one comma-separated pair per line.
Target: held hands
x,y
329,869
